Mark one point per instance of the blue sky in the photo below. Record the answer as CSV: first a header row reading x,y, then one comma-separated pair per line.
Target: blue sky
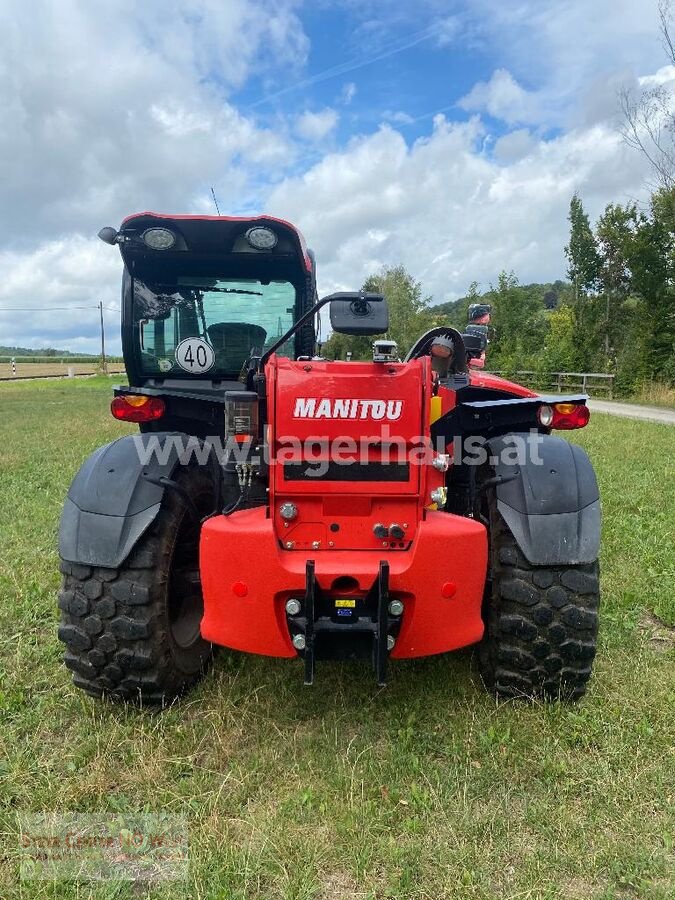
x,y
400,73
407,62
445,136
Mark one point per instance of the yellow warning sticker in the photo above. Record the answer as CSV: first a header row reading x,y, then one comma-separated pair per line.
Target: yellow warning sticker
x,y
436,410
345,603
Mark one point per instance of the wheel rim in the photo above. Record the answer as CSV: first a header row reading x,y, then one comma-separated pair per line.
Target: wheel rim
x,y
186,608
186,605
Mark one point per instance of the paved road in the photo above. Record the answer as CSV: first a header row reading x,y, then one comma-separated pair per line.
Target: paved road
x,y
633,411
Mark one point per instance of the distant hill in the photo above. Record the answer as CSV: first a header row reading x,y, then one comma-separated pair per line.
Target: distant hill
x,y
457,310
47,351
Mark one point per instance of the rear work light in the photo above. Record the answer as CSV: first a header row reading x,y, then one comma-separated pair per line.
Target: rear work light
x,y
563,416
261,238
159,238
137,408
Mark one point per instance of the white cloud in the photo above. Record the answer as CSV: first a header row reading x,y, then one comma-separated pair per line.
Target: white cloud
x,y
316,126
502,98
442,207
513,146
53,292
110,109
398,117
561,47
664,76
348,93
446,210
107,108
447,30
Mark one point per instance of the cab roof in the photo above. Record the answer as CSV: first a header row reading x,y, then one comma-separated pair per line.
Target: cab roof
x,y
218,235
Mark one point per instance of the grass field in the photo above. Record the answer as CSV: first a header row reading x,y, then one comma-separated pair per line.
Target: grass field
x,y
425,789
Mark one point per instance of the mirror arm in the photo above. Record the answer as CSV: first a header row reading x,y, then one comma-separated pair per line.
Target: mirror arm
x,y
291,331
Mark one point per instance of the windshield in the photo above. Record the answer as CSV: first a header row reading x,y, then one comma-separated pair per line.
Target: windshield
x,y
195,325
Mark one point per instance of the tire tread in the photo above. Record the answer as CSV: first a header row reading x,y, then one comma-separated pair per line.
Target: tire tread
x,y
114,621
541,623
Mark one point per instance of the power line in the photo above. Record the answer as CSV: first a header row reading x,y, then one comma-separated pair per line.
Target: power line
x,y
55,308
99,307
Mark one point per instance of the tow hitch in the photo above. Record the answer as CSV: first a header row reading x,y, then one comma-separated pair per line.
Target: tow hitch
x,y
318,631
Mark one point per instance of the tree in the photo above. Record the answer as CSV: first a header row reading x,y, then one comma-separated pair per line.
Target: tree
x,y
409,315
615,231
649,120
559,353
583,271
550,299
456,312
651,258
519,323
338,346
582,251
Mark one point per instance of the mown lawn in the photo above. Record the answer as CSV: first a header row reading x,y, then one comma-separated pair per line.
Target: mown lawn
x,y
426,789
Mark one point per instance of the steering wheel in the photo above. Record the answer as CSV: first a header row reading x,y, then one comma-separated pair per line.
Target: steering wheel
x,y
422,347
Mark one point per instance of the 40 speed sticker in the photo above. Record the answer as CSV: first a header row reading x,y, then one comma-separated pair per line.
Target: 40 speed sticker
x,y
195,355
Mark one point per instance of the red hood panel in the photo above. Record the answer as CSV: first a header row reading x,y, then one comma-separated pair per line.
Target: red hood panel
x,y
335,399
494,382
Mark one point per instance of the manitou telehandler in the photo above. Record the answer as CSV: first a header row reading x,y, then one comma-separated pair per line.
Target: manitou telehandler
x,y
279,503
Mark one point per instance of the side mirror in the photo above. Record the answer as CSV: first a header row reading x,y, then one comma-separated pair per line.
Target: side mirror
x,y
108,235
358,313
473,344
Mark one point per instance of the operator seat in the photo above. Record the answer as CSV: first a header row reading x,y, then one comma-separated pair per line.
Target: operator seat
x,y
235,342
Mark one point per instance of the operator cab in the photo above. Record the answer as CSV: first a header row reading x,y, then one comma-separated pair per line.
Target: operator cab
x,y
190,325
202,296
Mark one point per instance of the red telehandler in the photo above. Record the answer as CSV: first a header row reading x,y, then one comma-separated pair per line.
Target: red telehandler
x,y
278,503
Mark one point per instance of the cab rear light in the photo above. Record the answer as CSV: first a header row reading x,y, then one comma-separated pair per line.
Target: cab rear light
x,y
137,408
563,416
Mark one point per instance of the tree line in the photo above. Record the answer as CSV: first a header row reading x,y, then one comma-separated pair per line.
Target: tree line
x,y
615,313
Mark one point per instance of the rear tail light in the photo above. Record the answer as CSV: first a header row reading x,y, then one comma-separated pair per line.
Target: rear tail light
x,y
563,416
137,408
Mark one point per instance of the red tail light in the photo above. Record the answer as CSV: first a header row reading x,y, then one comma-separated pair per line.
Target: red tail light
x,y
564,416
137,408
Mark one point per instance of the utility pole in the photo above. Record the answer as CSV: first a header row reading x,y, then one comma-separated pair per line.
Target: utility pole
x,y
104,365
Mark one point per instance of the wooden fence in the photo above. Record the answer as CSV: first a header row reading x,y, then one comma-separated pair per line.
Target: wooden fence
x,y
44,367
592,383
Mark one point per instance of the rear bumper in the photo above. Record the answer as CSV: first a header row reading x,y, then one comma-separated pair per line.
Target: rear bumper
x,y
240,554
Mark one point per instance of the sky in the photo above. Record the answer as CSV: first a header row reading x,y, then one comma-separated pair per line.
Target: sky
x,y
446,136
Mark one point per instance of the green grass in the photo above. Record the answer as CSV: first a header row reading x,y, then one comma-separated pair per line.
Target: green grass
x,y
426,789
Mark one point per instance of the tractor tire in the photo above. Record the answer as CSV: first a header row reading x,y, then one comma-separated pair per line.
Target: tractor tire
x,y
541,622
132,633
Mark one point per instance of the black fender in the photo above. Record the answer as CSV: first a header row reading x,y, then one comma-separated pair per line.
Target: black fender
x,y
547,494
112,500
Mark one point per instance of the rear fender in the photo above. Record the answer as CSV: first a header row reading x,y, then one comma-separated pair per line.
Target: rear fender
x,y
549,499
112,500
